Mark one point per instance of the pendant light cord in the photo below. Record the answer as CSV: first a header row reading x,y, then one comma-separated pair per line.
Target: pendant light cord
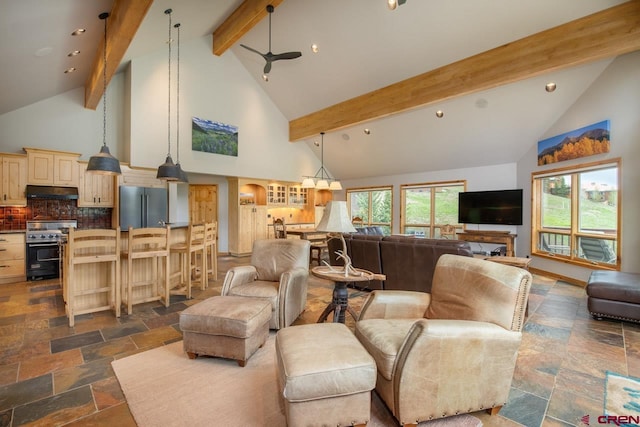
x,y
104,85
322,154
168,12
177,26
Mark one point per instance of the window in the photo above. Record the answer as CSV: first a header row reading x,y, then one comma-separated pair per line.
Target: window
x,y
427,207
576,214
372,205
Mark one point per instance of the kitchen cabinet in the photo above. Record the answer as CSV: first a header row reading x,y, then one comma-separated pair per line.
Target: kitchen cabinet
x,y
252,227
47,167
13,170
12,252
287,195
277,194
94,189
247,214
297,196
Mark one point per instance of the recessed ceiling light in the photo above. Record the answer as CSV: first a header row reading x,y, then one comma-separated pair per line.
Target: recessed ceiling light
x,y
439,114
78,32
367,131
43,52
314,48
346,136
316,143
74,53
70,70
265,77
550,87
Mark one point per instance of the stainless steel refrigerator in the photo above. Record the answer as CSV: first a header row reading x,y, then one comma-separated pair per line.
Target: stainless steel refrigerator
x,y
143,207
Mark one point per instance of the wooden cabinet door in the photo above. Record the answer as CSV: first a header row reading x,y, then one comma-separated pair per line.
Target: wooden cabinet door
x,y
14,180
40,168
104,189
94,190
260,223
245,229
203,203
65,170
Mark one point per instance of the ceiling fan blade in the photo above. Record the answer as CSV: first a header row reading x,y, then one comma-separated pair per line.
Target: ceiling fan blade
x,y
286,55
267,67
253,50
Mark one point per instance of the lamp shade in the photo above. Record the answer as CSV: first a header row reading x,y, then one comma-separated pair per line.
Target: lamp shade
x,y
335,186
104,163
336,219
168,171
322,185
308,183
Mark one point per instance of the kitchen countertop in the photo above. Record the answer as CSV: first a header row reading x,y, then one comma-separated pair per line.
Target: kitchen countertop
x,y
12,231
172,225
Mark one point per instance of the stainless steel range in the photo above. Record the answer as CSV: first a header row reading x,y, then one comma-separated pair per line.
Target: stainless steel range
x,y
43,247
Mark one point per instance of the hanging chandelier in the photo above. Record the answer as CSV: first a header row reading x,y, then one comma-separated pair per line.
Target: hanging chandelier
x,y
104,162
321,180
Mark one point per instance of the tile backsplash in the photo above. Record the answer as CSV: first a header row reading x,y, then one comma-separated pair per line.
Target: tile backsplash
x,y
16,217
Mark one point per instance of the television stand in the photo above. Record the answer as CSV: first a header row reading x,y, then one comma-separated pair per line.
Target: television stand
x,y
497,237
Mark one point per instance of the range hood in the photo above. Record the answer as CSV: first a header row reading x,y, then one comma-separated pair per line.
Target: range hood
x,y
47,192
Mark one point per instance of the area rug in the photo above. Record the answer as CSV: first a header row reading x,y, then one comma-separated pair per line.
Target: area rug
x,y
622,396
163,387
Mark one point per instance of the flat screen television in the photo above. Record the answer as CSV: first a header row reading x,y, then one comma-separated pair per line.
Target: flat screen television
x,y
490,207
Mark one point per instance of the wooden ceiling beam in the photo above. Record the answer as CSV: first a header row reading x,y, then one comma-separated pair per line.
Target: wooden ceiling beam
x,y
243,19
609,33
123,23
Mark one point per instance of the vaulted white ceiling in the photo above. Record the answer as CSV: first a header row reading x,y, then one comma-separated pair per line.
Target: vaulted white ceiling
x,y
363,46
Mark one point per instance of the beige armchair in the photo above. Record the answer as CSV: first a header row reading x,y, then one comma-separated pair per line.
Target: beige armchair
x,y
452,351
278,272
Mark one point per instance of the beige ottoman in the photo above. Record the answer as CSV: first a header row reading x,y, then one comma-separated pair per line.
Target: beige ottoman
x,y
325,375
225,326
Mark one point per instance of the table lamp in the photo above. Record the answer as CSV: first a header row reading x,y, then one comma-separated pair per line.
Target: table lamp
x,y
335,220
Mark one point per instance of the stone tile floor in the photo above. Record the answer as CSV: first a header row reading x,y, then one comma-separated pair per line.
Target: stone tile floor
x,y
51,374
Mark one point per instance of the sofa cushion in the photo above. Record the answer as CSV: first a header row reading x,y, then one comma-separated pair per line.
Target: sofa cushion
x,y
322,360
383,338
474,289
615,286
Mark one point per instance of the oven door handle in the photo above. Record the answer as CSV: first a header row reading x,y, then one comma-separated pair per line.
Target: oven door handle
x,y
48,259
42,245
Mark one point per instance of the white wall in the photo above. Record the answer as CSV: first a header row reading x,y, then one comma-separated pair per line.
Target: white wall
x,y
615,96
218,89
62,123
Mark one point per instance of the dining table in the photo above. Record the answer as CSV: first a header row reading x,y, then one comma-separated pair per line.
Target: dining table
x,y
310,234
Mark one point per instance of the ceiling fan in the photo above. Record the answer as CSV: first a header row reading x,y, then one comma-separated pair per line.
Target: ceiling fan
x,y
270,57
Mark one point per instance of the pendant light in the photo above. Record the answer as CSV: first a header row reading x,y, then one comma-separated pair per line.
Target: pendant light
x,y
168,170
103,162
322,180
182,176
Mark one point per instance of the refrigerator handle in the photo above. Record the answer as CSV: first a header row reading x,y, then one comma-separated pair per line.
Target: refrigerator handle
x,y
142,210
146,210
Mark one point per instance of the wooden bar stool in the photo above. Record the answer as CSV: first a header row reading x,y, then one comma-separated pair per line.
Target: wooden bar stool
x,y
151,244
211,248
92,254
190,251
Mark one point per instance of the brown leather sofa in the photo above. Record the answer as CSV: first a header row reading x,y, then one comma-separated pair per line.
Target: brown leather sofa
x,y
408,262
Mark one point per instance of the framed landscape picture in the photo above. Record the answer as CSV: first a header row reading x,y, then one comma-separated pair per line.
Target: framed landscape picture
x,y
586,141
214,137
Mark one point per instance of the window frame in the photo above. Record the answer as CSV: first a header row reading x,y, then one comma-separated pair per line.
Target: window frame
x,y
368,222
573,234
433,226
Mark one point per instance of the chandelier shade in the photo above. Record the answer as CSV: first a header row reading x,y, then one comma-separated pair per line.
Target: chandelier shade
x,y
104,163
